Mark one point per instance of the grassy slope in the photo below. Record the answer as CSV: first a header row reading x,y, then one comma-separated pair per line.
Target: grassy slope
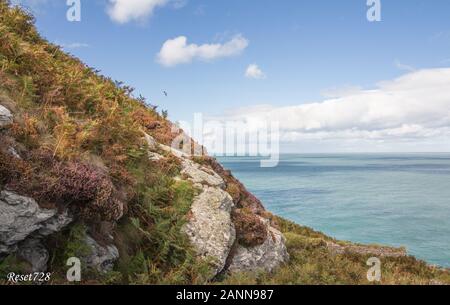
x,y
73,125
312,263
80,138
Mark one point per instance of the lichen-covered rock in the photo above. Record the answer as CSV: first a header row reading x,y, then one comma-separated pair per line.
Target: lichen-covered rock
x,y
101,258
19,217
266,257
198,174
34,252
177,153
201,175
55,224
210,228
22,220
5,116
151,142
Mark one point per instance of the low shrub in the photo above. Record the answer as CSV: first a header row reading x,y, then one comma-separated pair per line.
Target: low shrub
x,y
11,168
250,230
51,183
148,120
25,130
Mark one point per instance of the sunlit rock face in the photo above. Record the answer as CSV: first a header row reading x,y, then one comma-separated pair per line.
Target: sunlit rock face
x,y
19,217
23,225
210,227
201,175
5,117
266,257
100,257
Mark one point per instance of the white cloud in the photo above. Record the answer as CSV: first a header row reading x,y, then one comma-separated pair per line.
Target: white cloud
x,y
401,114
403,66
253,71
177,51
123,11
340,91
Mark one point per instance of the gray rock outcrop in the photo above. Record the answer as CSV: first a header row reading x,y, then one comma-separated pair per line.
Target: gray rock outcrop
x,y
101,258
33,251
19,217
151,142
210,228
55,224
23,225
6,117
201,175
266,257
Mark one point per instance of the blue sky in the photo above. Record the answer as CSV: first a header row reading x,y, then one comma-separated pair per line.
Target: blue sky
x,y
308,51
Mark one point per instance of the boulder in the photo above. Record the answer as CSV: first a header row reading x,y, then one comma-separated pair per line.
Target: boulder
x,y
266,257
22,220
152,146
6,117
201,175
34,252
210,227
151,142
55,224
101,258
19,217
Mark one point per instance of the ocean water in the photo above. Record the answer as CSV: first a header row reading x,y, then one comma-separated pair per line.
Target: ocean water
x,y
391,199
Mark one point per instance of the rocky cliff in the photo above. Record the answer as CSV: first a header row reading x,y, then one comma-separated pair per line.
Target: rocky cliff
x,y
85,168
211,226
87,171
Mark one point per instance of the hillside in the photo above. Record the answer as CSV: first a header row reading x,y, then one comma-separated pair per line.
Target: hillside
x,y
87,171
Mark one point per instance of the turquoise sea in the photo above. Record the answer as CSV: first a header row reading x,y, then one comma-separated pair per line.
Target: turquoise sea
x,y
392,199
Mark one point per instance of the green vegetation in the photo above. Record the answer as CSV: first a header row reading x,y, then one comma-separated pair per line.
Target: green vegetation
x,y
311,263
11,264
152,247
80,138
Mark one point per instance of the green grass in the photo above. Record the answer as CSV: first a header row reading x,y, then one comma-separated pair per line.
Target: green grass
x,y
311,263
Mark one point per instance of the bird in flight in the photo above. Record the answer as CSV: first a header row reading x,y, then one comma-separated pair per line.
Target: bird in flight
x,y
165,93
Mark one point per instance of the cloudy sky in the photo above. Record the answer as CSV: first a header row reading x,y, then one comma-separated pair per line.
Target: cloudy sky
x,y
333,80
